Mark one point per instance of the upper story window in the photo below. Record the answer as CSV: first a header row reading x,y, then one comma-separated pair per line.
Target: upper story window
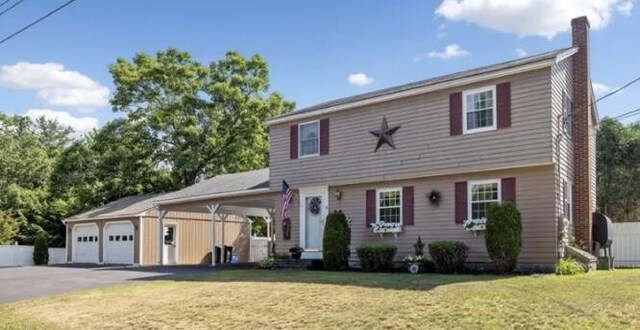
x,y
567,114
479,109
389,205
483,194
309,144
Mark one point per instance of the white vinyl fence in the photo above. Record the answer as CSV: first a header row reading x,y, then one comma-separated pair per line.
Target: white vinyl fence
x,y
22,255
259,248
626,244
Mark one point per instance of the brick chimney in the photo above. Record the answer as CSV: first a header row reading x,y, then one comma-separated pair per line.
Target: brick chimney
x,y
584,178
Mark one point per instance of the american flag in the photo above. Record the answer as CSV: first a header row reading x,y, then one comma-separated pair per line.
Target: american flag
x,y
287,196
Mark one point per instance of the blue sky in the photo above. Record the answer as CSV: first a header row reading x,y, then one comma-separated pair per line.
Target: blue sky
x,y
312,47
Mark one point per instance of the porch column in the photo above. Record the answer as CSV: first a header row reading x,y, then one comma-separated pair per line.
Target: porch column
x,y
213,208
271,230
161,217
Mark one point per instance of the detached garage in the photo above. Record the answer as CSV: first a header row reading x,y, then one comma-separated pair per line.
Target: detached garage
x,y
127,231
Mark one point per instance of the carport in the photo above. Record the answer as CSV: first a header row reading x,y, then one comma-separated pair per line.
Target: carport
x,y
228,199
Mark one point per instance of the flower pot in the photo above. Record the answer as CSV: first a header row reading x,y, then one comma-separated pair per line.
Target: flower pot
x,y
414,268
296,255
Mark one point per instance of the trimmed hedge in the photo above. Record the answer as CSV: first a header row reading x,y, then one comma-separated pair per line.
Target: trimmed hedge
x,y
41,249
376,257
503,238
336,241
449,256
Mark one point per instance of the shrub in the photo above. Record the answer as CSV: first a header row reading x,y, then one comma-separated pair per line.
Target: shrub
x,y
376,257
569,266
504,236
449,256
41,249
267,263
335,242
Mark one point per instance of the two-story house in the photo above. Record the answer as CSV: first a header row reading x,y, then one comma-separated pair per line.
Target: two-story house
x,y
427,158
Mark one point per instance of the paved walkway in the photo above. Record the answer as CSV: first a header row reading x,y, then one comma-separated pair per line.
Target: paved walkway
x,y
31,282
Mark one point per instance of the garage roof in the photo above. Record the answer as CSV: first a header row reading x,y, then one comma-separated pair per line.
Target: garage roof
x,y
125,207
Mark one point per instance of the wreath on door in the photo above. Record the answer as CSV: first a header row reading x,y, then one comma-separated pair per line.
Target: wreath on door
x,y
314,205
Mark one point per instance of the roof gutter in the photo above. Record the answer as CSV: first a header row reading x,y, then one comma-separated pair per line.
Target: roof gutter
x,y
122,216
425,89
213,196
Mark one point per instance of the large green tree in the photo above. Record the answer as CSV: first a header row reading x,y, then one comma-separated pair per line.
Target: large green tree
x,y
618,170
208,119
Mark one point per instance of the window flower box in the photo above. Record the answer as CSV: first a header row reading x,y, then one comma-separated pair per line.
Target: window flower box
x,y
475,225
382,228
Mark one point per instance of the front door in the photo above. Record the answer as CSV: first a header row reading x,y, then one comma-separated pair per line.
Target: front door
x,y
169,246
313,212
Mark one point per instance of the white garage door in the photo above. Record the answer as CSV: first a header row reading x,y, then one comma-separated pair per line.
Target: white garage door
x,y
85,240
118,248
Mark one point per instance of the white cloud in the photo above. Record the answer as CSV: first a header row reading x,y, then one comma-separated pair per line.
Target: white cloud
x,y
450,51
80,125
56,85
528,17
360,79
600,89
625,8
521,52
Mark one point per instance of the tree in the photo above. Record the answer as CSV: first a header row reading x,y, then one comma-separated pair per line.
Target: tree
x,y
504,236
618,170
9,228
335,242
207,120
41,249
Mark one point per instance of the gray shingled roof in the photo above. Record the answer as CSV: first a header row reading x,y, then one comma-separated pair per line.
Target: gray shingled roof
x,y
123,207
225,183
431,81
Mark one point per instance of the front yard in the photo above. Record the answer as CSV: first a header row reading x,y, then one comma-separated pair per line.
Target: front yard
x,y
290,299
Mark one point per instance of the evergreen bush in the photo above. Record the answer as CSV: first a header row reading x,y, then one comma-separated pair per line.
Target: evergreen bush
x,y
503,238
41,249
336,241
449,256
376,257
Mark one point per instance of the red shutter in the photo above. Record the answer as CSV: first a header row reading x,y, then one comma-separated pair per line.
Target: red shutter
x,y
407,206
293,142
455,113
324,136
370,208
504,104
509,190
461,202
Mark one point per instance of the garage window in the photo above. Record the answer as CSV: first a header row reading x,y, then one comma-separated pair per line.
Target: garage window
x,y
124,238
84,238
79,239
90,238
95,238
131,237
117,238
110,238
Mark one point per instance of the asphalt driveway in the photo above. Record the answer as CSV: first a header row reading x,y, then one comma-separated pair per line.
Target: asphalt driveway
x,y
31,282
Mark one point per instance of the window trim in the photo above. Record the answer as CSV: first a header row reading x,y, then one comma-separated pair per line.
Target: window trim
x,y
464,110
300,155
470,185
382,190
567,198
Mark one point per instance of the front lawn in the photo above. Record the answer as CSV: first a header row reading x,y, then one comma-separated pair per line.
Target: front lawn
x,y
291,299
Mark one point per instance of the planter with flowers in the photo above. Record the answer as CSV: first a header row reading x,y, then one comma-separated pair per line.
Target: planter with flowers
x,y
416,263
475,225
381,228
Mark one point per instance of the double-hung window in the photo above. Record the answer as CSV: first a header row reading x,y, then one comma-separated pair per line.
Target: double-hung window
x,y
479,109
482,194
309,139
389,205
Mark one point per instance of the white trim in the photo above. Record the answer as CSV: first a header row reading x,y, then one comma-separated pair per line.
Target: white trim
x,y
104,240
311,255
422,90
300,155
66,244
564,55
73,246
494,119
140,239
322,191
382,190
470,185
215,195
567,196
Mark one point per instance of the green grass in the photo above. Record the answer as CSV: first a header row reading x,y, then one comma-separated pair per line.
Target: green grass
x,y
290,299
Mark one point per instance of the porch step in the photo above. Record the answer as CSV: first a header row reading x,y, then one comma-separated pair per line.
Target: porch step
x,y
293,264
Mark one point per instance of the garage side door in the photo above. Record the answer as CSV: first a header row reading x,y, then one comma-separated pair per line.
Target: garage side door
x,y
118,247
85,240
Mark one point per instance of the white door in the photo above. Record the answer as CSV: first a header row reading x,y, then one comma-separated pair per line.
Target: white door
x,y
313,212
85,243
118,247
169,246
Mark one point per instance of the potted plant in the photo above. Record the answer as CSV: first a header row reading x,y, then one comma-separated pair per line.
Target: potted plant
x,y
296,252
415,263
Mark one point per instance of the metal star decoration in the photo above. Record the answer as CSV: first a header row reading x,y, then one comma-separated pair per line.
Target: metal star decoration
x,y
385,134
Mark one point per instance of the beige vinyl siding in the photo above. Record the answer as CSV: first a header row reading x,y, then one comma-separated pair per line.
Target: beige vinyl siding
x,y
561,82
101,223
150,240
424,145
535,199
